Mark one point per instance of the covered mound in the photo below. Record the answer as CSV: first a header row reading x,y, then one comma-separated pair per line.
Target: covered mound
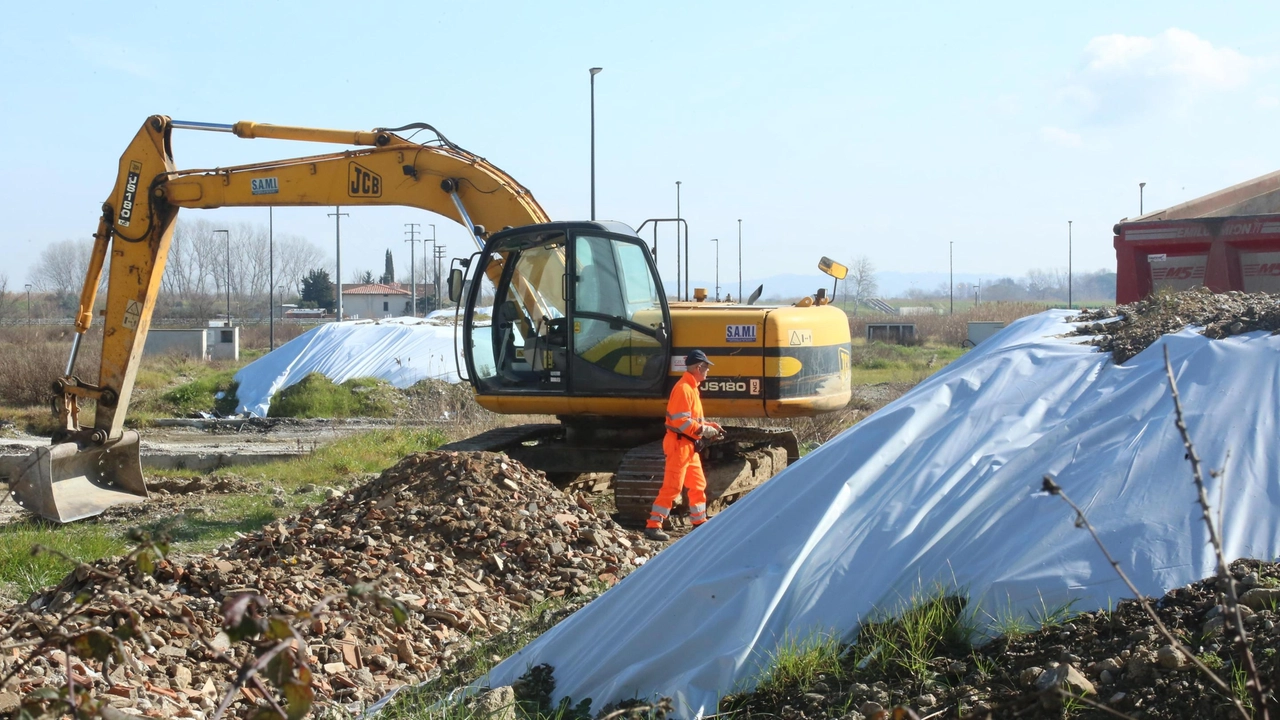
x,y
401,351
942,488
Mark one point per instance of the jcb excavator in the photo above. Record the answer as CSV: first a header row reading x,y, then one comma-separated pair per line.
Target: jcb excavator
x,y
563,318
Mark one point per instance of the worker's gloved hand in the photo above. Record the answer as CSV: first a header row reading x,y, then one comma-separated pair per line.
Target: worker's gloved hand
x,y
710,432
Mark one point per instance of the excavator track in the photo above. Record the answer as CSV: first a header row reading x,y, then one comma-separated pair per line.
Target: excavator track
x,y
741,461
503,438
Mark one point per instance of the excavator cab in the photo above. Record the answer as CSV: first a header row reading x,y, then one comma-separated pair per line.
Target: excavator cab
x,y
567,308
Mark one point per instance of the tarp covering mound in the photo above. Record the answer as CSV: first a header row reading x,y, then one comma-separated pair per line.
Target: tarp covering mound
x,y
401,351
943,487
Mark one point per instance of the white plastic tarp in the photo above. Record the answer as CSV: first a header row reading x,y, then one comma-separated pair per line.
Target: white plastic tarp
x,y
942,486
401,351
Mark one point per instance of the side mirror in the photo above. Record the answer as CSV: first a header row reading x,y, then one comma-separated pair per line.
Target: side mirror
x,y
455,285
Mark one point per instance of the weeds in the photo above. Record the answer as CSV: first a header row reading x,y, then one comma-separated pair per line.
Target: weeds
x,y
318,396
798,663
906,642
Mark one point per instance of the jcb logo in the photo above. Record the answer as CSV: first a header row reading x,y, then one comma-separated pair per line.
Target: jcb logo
x,y
363,182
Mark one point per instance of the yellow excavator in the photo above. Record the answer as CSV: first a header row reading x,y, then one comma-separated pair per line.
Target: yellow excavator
x,y
558,318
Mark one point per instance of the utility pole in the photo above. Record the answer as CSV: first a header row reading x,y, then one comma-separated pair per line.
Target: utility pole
x,y
271,244
435,264
412,232
28,286
440,252
951,263
337,235
1068,264
740,260
1141,185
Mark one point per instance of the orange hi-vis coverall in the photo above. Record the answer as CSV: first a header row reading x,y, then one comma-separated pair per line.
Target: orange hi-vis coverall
x,y
684,466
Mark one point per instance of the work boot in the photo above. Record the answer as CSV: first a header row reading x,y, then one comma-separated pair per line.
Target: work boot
x,y
656,534
695,527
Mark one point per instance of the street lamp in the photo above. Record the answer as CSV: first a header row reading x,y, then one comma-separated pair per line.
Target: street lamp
x,y
273,310
739,259
28,286
686,249
1068,264
227,279
717,242
951,262
594,71
1140,186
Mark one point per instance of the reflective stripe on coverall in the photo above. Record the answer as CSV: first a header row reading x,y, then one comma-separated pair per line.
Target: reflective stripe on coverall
x,y
683,466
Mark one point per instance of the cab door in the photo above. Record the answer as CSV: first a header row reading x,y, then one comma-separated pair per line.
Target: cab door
x,y
620,324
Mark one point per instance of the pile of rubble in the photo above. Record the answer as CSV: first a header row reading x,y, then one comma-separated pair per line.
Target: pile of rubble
x,y
469,542
1142,323
1117,659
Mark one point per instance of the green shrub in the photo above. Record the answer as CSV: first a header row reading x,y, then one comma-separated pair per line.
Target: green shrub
x,y
318,396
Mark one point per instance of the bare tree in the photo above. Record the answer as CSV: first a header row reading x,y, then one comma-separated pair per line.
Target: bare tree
x,y
295,255
6,300
62,266
862,281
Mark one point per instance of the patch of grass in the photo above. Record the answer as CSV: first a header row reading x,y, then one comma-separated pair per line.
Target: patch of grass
x,y
877,362
22,572
318,396
904,641
201,394
224,515
797,664
1007,623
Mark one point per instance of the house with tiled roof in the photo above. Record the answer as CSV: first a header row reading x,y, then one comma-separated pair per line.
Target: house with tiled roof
x,y
375,301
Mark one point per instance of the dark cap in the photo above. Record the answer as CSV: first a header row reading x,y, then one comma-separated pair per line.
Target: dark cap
x,y
695,357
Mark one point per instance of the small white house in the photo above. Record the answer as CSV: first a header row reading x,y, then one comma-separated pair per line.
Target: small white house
x,y
375,300
217,342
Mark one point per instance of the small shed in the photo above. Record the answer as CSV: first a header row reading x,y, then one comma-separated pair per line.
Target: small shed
x,y
980,330
891,332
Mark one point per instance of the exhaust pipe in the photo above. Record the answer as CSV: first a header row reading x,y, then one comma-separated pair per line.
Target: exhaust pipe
x,y
68,482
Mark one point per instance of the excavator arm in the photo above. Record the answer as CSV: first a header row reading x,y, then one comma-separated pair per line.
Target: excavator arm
x,y
89,469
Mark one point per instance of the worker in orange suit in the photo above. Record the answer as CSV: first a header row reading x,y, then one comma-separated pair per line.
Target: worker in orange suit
x,y
685,428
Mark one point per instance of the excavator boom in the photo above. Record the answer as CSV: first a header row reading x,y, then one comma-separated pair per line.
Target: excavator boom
x,y
91,468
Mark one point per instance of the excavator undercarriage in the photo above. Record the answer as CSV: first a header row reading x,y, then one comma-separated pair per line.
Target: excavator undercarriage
x,y
625,456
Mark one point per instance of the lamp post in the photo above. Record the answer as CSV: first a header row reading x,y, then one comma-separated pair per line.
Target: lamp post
x,y
227,280
686,249
28,286
739,259
1068,264
717,242
951,263
1141,185
594,71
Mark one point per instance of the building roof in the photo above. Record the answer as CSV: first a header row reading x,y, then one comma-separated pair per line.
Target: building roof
x,y
373,289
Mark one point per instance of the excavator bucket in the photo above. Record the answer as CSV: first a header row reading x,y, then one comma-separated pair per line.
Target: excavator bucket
x,y
65,483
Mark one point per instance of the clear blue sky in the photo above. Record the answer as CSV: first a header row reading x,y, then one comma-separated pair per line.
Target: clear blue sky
x,y
835,129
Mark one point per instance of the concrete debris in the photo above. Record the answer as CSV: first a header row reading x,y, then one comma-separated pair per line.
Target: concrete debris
x,y
1142,323
444,533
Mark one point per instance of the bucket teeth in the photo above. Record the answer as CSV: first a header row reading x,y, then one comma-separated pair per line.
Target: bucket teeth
x,y
65,482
